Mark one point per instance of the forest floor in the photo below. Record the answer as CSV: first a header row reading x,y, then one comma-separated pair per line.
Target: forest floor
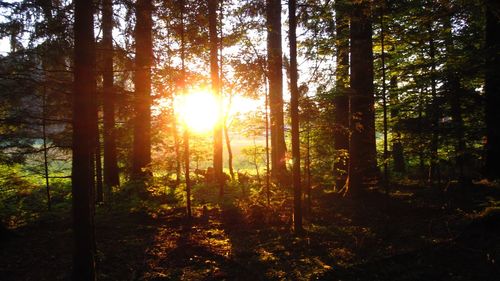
x,y
415,233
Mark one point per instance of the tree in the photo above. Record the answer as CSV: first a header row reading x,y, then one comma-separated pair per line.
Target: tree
x,y
214,74
362,152
341,99
142,99
274,68
83,141
294,112
111,177
492,89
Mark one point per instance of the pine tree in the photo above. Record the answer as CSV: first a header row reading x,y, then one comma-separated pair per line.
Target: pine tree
x,y
142,99
362,152
83,141
111,177
274,72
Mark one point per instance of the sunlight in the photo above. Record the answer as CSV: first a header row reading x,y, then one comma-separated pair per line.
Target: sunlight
x,y
198,110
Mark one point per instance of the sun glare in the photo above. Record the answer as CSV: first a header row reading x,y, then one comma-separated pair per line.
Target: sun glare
x,y
198,110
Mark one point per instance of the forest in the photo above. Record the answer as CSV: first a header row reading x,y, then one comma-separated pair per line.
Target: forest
x,y
250,140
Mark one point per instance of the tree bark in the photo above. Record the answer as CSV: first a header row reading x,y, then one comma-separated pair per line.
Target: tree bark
x,y
111,176
142,102
294,110
229,150
454,93
434,171
492,90
341,99
98,167
362,152
214,74
83,142
274,72
384,99
45,149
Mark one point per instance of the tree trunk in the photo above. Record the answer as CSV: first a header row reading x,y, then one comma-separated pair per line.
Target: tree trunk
x,y
397,145
178,165
45,149
274,68
434,173
187,171
83,142
229,150
341,99
256,160
111,176
268,170
98,167
142,102
362,152
294,112
384,99
187,156
214,74
454,93
492,89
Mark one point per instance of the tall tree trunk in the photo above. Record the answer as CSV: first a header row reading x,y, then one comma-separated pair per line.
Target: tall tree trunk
x,y
228,141
83,142
341,99
397,145
45,149
274,72
178,165
214,74
229,150
492,89
362,152
268,170
454,93
434,171
384,98
308,164
187,171
111,176
142,103
187,156
226,114
294,110
98,167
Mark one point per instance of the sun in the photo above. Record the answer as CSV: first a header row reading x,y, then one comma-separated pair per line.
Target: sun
x,y
198,110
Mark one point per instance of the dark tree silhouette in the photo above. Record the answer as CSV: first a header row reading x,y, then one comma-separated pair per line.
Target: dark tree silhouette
x,y
111,177
274,72
492,89
83,141
362,153
341,99
142,103
294,110
214,73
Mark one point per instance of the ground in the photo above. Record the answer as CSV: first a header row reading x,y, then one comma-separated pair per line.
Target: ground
x,y
415,233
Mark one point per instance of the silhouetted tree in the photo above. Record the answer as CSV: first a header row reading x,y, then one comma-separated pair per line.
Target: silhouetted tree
x,y
274,72
362,152
294,112
83,141
492,89
111,177
142,99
